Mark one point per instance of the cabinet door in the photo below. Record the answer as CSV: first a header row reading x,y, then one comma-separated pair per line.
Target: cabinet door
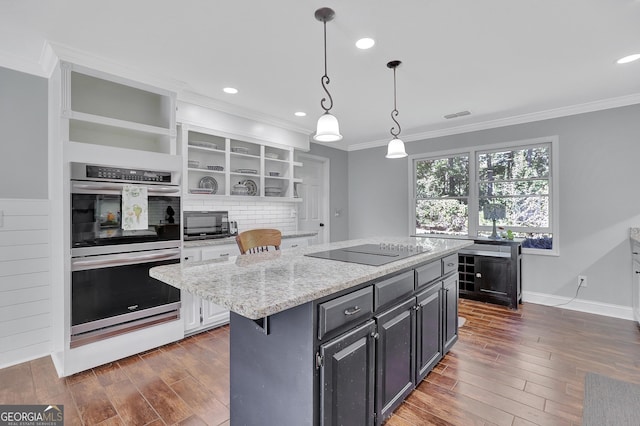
x,y
636,284
450,312
429,330
493,275
347,378
395,349
190,311
213,315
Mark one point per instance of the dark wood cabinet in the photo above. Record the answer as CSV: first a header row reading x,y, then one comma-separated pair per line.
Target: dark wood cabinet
x,y
430,330
490,271
347,378
450,312
395,366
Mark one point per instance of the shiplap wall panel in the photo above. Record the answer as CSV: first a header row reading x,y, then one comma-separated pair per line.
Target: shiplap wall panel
x,y
18,282
25,281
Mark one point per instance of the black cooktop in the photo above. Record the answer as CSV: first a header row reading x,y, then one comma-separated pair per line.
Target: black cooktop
x,y
368,254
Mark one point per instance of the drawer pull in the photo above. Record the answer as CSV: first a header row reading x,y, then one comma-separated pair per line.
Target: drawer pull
x,y
450,264
294,245
224,254
352,311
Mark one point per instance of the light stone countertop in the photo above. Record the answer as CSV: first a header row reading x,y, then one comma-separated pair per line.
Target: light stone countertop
x,y
232,240
634,234
258,285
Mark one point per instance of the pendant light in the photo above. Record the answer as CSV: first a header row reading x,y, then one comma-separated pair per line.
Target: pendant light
x,y
395,149
328,129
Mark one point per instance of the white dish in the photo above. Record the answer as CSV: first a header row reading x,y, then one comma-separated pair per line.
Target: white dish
x,y
272,155
193,164
247,171
208,182
204,144
201,191
251,186
216,168
240,150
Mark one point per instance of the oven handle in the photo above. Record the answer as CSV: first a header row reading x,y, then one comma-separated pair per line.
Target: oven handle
x,y
128,259
119,186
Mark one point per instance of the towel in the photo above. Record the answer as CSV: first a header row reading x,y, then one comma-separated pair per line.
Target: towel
x,y
135,208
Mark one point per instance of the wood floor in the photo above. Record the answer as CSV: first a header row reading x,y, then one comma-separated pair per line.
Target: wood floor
x,y
509,367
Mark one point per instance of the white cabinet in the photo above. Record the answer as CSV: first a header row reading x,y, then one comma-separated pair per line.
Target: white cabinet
x,y
296,242
200,314
215,163
100,109
636,281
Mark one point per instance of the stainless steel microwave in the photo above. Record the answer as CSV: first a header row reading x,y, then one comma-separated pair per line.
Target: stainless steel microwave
x,y
200,225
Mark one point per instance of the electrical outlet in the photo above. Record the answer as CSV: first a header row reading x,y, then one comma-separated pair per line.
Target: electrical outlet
x,y
294,213
582,280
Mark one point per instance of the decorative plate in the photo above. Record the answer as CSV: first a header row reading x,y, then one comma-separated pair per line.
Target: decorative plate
x,y
209,183
251,186
240,150
216,168
247,171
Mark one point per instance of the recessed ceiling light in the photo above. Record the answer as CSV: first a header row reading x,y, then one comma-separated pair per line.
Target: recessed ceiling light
x,y
629,58
300,114
365,43
230,90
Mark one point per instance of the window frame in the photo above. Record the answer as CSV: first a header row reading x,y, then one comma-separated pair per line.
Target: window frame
x,y
473,197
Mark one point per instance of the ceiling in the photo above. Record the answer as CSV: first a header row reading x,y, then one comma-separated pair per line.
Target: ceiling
x,y
502,60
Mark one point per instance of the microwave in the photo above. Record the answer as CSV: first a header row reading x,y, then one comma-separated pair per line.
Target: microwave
x,y
201,225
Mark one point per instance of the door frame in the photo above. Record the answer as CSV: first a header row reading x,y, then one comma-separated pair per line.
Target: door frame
x,y
326,191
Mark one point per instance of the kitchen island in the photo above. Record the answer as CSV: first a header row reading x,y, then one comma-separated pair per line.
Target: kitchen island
x,y
318,341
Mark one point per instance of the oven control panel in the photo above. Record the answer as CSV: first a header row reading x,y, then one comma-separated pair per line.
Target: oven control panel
x,y
119,173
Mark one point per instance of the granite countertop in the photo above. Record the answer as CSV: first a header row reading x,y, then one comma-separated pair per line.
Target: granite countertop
x,y
258,285
232,240
634,234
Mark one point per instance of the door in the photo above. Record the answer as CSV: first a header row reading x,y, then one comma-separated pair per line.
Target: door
x,y
347,378
395,352
450,303
429,320
313,211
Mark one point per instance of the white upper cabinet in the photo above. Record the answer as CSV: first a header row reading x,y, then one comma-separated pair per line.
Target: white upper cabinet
x,y
111,111
219,166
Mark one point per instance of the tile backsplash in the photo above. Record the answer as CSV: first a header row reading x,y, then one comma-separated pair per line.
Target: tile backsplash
x,y
252,214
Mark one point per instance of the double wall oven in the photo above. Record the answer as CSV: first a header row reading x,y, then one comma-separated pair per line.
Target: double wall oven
x,y
111,290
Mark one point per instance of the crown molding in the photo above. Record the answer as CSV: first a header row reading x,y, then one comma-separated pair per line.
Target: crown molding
x,y
191,97
82,58
17,63
599,105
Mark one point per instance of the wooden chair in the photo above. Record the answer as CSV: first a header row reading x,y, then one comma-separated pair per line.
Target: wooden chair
x,y
258,240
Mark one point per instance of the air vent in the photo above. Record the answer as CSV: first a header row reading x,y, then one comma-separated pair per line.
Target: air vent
x,y
457,114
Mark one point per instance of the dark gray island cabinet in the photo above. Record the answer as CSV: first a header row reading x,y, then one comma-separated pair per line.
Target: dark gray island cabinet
x,y
323,342
347,359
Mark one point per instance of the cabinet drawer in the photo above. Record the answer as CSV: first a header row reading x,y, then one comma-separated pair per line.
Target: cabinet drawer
x,y
344,310
428,273
393,288
450,264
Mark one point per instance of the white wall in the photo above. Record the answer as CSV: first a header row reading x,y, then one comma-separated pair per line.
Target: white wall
x,y
599,156
25,283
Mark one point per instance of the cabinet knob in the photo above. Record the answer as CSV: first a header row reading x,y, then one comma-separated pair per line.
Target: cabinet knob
x,y
637,272
635,252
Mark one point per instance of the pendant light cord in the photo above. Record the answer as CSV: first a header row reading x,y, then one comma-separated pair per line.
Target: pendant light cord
x,y
395,112
324,80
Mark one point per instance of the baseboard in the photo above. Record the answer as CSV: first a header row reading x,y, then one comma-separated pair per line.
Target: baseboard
x,y
588,306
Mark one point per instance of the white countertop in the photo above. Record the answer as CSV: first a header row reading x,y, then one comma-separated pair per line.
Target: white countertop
x,y
232,240
258,285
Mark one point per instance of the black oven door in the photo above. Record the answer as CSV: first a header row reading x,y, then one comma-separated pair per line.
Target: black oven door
x,y
96,216
111,291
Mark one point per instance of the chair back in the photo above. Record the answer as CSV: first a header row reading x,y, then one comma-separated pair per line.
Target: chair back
x,y
258,240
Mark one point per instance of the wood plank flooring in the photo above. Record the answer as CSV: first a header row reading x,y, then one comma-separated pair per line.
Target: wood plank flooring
x,y
523,367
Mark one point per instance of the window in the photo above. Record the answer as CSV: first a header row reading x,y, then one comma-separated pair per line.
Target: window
x,y
454,193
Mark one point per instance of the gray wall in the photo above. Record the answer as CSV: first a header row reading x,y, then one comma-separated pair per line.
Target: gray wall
x,y
599,154
23,120
338,187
